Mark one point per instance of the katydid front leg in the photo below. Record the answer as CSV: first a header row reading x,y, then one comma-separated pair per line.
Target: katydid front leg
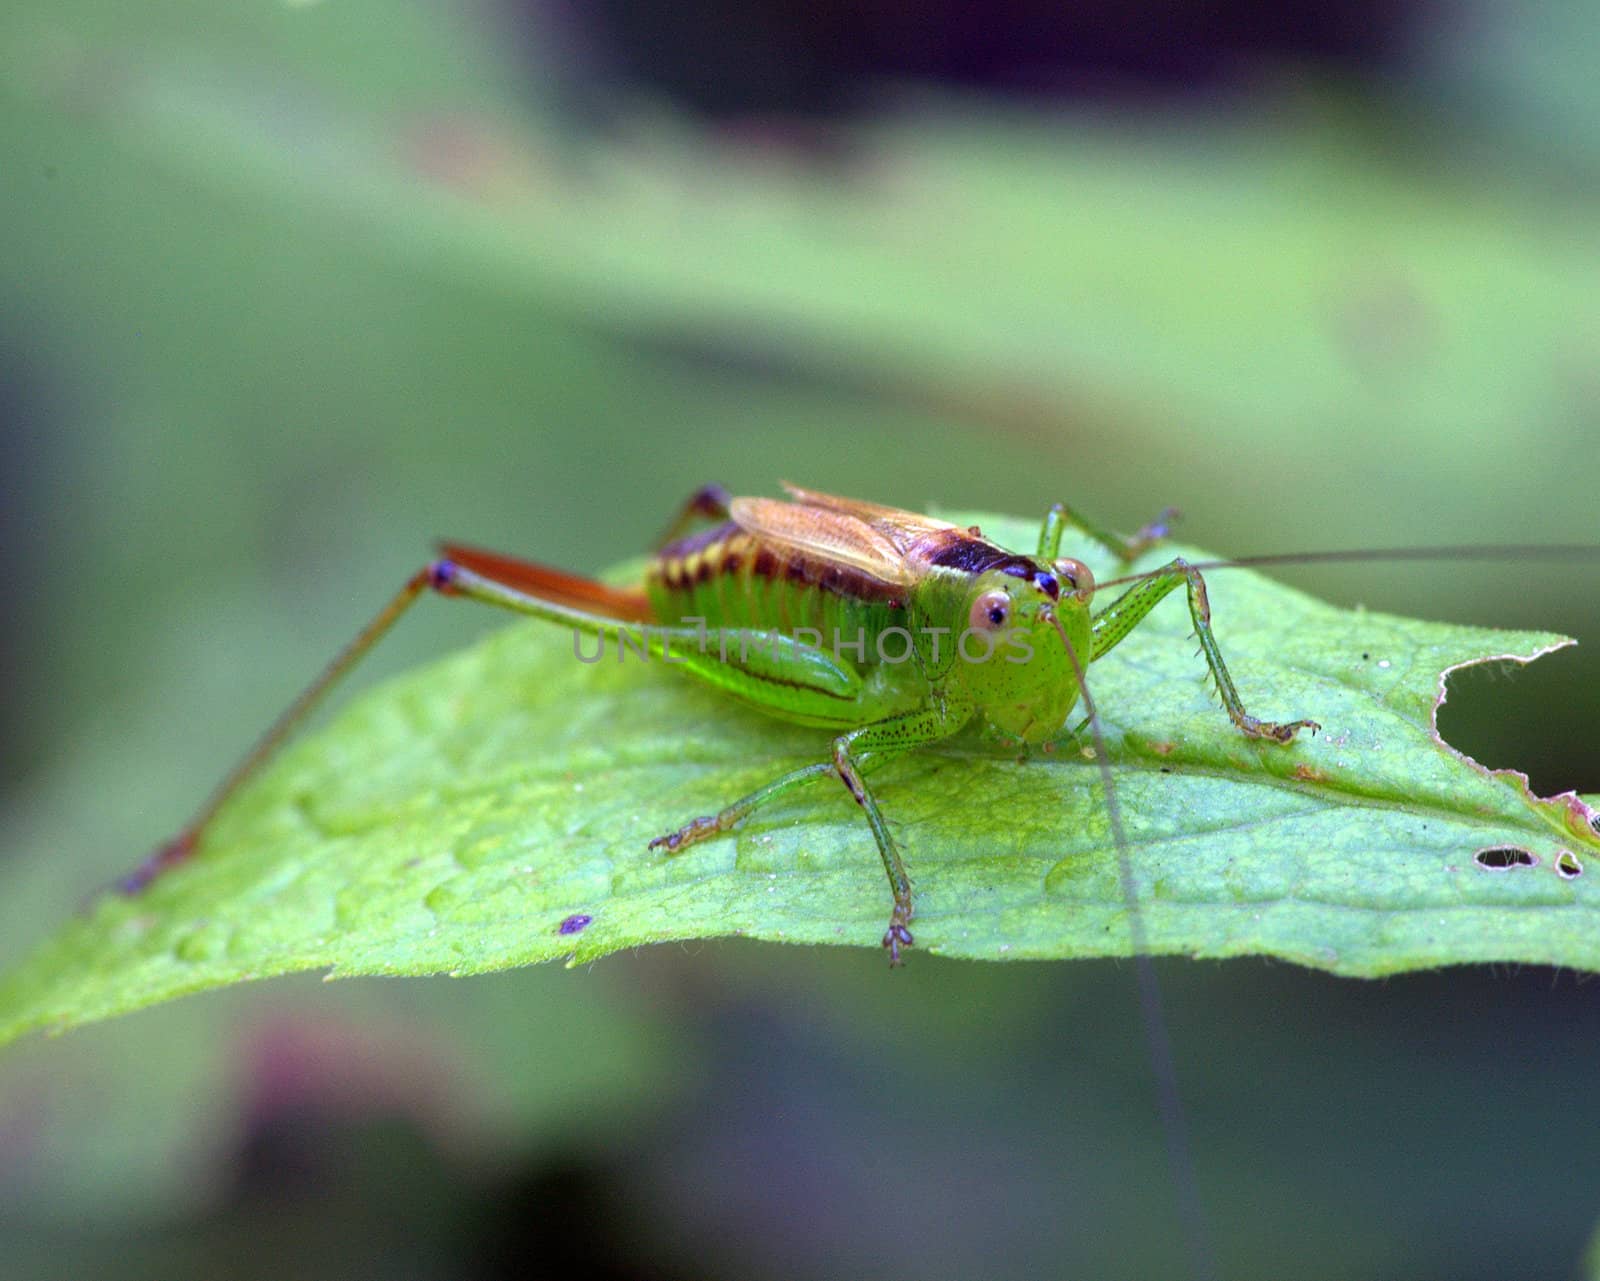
x,y
1125,613
852,754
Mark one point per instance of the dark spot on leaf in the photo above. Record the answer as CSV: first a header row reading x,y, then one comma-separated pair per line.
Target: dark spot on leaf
x,y
1309,774
575,923
1364,657
1594,822
1567,865
1502,858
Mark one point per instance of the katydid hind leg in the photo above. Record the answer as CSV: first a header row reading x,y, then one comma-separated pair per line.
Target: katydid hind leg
x,y
446,577
625,604
1113,624
181,847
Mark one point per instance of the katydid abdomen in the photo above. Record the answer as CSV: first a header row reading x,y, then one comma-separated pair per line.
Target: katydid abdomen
x,y
731,578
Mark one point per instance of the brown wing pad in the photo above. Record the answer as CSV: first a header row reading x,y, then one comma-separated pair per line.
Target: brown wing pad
x,y
823,534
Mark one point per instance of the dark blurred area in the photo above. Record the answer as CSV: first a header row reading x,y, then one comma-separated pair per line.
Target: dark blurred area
x,y
807,63
289,290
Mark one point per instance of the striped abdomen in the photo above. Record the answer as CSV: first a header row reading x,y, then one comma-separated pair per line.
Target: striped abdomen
x,y
732,578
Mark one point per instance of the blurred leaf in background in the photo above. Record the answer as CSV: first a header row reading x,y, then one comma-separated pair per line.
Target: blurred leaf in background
x,y
289,290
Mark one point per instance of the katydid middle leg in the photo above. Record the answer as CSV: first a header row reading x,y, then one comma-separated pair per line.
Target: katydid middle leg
x,y
853,753
1125,613
730,816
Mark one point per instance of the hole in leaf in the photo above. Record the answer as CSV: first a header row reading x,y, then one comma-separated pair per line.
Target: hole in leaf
x,y
574,924
1502,858
1567,865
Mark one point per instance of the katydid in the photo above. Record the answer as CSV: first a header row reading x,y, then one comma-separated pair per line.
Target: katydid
x,y
892,630
889,629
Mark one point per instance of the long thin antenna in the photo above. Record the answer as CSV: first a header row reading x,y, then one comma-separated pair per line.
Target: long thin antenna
x,y
1464,551
1180,1158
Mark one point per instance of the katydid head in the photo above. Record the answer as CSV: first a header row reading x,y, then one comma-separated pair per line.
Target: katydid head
x,y
1010,658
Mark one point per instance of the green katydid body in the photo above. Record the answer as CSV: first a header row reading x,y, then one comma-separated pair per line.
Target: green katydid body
x,y
914,614
891,629
900,631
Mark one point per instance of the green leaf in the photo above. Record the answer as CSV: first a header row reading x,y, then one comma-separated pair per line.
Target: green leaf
x,y
468,817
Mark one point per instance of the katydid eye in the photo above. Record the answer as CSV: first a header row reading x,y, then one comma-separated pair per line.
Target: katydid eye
x,y
1075,574
990,612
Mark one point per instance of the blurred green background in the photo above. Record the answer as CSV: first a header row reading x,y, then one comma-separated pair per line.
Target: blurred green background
x,y
288,290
